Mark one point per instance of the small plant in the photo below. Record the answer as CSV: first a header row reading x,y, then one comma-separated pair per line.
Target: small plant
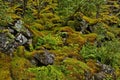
x,y
108,53
47,73
49,41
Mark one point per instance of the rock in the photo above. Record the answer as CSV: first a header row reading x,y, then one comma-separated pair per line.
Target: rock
x,y
11,30
28,33
43,58
6,43
12,37
18,25
99,76
105,68
21,39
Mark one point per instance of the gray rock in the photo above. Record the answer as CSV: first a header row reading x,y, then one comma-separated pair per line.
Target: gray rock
x,y
43,58
105,68
99,76
21,39
19,25
6,43
10,39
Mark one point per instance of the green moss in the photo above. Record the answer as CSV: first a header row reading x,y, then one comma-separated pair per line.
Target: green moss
x,y
74,69
115,31
110,35
71,23
75,38
67,29
91,37
5,66
47,73
37,26
19,68
75,62
110,19
20,51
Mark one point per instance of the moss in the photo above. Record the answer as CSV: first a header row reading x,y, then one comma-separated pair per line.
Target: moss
x,y
5,74
19,68
110,19
37,26
14,16
92,64
117,71
91,37
110,35
67,29
66,51
75,38
49,15
20,51
47,73
5,67
71,23
115,31
56,19
74,69
89,20
59,55
76,63
36,33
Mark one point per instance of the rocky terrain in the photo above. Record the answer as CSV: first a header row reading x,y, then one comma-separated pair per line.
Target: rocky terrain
x,y
59,40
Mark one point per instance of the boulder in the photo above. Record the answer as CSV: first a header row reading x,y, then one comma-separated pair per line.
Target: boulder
x,y
45,58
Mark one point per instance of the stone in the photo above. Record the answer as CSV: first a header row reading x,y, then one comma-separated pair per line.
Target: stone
x,y
99,76
6,43
18,25
43,58
21,39
105,68
27,33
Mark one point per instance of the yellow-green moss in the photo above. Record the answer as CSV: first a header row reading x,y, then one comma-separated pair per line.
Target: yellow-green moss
x,y
110,19
5,66
19,68
71,23
75,38
67,29
92,64
37,26
74,69
115,31
88,19
110,35
91,37
20,51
